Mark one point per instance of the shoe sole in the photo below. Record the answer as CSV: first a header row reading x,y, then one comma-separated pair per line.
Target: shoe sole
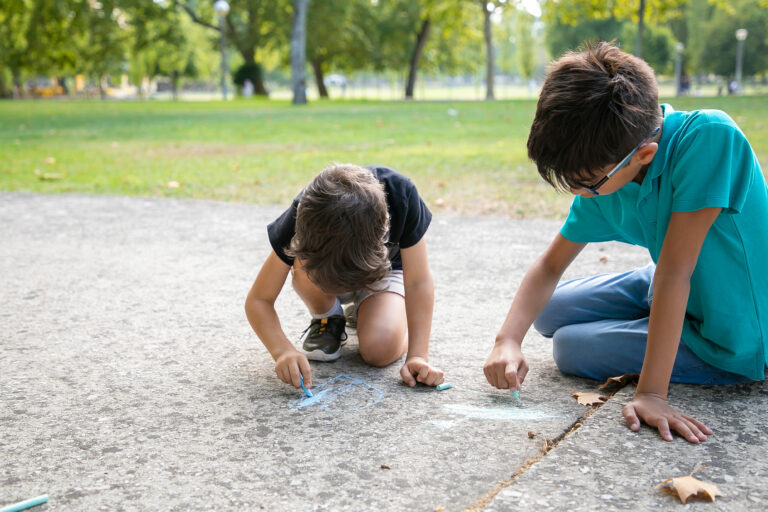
x,y
319,355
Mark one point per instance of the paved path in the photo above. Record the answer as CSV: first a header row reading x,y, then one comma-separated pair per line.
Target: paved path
x,y
130,380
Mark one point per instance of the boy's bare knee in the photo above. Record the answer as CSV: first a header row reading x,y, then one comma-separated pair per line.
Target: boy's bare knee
x,y
382,350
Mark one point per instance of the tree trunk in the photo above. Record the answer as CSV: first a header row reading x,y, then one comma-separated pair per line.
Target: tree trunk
x,y
421,41
489,64
299,52
175,85
249,56
317,67
102,91
639,38
17,89
62,82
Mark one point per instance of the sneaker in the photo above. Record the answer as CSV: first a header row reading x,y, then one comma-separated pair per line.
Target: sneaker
x,y
322,340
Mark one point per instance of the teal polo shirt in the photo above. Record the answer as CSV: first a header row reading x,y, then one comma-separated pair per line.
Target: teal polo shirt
x,y
703,161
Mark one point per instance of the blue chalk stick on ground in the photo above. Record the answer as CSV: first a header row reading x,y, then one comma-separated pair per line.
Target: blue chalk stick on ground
x,y
441,387
23,505
306,391
516,394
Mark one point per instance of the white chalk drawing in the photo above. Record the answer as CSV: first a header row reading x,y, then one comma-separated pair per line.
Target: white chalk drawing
x,y
495,407
341,393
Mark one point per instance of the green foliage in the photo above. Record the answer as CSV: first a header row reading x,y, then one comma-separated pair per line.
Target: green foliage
x,y
561,37
525,45
658,45
248,71
718,52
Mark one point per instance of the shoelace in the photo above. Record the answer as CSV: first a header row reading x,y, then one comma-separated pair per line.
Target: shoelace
x,y
321,326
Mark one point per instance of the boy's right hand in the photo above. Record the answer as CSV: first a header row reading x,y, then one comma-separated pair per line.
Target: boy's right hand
x,y
506,367
290,365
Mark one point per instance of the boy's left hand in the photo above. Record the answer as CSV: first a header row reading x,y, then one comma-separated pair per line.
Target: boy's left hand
x,y
656,412
417,369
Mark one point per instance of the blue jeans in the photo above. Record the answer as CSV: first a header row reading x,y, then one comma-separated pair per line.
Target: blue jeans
x,y
599,328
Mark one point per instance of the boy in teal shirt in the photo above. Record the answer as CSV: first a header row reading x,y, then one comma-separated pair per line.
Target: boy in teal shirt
x,y
685,185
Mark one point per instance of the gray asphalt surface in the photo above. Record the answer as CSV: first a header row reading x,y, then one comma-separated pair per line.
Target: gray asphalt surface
x,y
130,380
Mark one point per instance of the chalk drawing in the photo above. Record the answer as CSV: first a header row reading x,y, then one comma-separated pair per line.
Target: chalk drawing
x,y
494,407
341,393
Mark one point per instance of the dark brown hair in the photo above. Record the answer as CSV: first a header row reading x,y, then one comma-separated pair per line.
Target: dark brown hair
x,y
595,106
341,228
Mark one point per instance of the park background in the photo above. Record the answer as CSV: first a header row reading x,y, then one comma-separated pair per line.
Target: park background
x,y
245,101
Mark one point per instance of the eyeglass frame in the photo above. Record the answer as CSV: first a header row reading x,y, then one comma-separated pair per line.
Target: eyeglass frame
x,y
593,188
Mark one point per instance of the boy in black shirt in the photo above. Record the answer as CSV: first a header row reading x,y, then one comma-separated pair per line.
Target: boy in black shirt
x,y
353,235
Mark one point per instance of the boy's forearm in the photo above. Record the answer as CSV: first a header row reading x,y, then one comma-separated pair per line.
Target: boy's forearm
x,y
534,293
419,304
671,290
265,322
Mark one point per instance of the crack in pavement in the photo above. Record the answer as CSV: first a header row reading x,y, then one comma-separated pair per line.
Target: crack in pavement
x,y
548,446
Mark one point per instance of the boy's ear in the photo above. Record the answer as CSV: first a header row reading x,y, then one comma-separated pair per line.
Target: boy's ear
x,y
646,153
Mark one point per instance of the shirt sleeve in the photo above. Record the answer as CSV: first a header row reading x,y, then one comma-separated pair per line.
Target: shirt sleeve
x,y
713,167
417,219
281,231
586,222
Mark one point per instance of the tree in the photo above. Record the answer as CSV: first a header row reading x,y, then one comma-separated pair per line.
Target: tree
x,y
719,52
577,11
561,37
525,58
344,50
299,51
252,26
403,28
15,18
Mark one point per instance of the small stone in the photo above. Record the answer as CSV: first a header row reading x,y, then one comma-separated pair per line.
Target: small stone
x,y
385,466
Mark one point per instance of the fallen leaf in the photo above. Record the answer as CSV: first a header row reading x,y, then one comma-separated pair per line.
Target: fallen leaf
x,y
687,486
440,509
603,259
49,160
439,202
531,434
614,383
174,184
588,398
236,167
385,466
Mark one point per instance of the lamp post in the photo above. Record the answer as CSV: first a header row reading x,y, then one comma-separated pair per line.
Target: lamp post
x,y
741,35
221,8
679,47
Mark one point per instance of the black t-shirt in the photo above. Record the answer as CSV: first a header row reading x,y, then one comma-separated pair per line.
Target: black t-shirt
x,y
409,217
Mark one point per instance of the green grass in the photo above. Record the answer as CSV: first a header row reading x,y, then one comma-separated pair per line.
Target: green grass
x,y
265,151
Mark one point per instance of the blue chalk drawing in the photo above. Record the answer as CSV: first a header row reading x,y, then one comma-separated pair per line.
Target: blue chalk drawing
x,y
341,393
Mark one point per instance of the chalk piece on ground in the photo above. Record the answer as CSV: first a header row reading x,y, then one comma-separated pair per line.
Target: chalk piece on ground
x,y
442,387
23,505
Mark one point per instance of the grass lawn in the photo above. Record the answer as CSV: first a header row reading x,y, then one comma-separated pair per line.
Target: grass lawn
x,y
466,157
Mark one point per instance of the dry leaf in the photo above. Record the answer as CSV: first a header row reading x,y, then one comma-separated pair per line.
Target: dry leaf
x,y
440,202
174,184
588,398
440,509
385,466
614,383
687,486
603,259
531,434
49,160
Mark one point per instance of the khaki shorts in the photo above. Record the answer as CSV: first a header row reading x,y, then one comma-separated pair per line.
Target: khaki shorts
x,y
393,282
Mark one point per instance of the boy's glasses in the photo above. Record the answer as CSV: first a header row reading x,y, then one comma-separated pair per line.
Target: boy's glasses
x,y
593,189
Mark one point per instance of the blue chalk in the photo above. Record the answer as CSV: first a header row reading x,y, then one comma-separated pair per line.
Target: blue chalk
x,y
306,391
23,505
441,387
516,394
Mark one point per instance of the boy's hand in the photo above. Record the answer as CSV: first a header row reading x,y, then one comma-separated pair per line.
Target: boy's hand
x,y
506,367
288,367
418,369
656,412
